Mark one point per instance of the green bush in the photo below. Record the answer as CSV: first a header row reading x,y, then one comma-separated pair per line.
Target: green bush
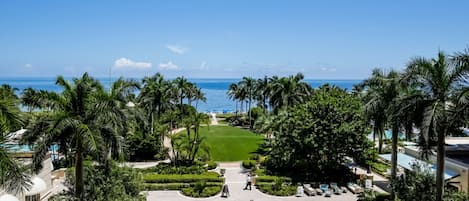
x,y
206,191
248,164
171,169
185,178
211,165
275,189
382,197
268,178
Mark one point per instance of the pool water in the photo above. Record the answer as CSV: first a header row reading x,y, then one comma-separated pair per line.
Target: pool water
x,y
388,135
18,148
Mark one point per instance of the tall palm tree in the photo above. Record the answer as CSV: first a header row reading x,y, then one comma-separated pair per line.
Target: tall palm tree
x,y
248,84
287,91
439,79
377,99
233,92
81,114
262,92
182,86
155,97
13,177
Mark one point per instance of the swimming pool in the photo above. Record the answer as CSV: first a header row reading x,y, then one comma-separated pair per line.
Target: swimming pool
x,y
18,148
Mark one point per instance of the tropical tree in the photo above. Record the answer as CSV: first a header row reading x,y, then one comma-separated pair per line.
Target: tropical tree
x,y
234,94
13,177
288,91
438,79
83,114
262,92
154,97
248,84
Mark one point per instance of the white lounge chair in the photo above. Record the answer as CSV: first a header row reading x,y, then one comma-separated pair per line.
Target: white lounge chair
x,y
309,190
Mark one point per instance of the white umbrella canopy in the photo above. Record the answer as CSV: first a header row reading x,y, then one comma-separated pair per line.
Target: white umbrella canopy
x,y
8,197
38,186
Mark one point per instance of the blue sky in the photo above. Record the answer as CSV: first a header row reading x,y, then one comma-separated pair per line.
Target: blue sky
x,y
224,39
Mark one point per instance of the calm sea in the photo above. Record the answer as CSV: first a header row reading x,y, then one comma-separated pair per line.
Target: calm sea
x,y
214,89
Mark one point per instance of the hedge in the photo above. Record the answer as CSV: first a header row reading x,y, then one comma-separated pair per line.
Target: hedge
x,y
271,179
206,192
248,164
174,186
285,190
211,165
185,178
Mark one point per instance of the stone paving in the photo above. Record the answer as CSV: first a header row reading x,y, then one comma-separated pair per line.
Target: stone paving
x,y
236,180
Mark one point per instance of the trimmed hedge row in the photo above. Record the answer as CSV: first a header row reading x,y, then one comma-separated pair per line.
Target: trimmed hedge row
x,y
206,192
271,179
270,188
248,164
185,178
174,186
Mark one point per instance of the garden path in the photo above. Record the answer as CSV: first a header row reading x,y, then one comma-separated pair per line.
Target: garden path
x,y
235,177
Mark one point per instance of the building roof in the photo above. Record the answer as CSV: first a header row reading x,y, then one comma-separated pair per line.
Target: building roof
x,y
406,162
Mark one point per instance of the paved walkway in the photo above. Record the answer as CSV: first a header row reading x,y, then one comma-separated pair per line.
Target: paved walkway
x,y
213,120
236,180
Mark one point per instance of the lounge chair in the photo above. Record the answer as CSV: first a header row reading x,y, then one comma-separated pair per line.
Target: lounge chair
x,y
300,191
318,191
328,193
343,189
323,187
309,190
335,188
354,188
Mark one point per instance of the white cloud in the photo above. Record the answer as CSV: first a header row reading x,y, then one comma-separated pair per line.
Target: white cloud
x,y
177,49
168,66
124,63
28,65
328,69
203,66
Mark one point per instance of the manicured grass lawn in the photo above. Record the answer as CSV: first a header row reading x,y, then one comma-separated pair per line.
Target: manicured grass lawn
x,y
229,143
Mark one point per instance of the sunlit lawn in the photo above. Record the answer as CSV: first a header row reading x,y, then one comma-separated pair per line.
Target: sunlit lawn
x,y
229,143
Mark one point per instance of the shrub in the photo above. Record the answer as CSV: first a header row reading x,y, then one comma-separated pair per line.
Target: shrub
x,y
268,178
185,178
206,191
174,186
211,165
171,169
276,189
248,164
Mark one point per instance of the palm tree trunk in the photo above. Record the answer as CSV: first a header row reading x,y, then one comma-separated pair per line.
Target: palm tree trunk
x,y
395,133
380,140
440,167
79,183
249,111
375,131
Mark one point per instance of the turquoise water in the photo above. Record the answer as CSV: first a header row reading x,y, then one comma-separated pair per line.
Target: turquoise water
x,y
214,89
388,135
17,148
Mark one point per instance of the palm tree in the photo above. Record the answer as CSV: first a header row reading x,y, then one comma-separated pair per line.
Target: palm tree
x,y
182,86
233,92
438,79
155,97
13,175
82,115
262,92
377,99
248,85
287,91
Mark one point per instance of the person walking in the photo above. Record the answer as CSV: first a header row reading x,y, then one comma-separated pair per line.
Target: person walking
x,y
248,182
225,192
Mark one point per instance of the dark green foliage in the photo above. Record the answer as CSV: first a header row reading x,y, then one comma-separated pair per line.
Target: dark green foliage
x,y
171,169
107,182
279,189
211,165
317,136
248,164
201,191
174,186
184,178
143,147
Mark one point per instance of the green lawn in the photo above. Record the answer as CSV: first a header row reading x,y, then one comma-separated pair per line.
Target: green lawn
x,y
229,143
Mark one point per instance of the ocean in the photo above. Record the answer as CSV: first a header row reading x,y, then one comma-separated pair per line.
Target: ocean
x,y
214,89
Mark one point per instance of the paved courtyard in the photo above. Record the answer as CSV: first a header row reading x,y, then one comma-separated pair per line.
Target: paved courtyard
x,y
235,179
